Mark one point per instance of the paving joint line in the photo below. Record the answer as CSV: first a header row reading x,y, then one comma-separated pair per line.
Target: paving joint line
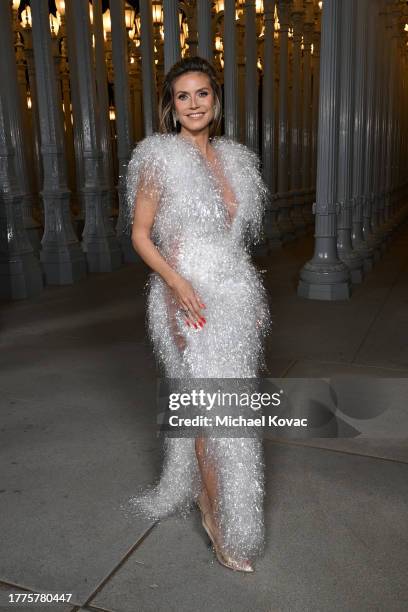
x,y
77,606
335,450
358,364
376,316
117,567
288,368
91,608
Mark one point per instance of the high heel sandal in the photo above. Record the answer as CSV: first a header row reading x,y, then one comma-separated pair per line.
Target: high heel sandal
x,y
222,557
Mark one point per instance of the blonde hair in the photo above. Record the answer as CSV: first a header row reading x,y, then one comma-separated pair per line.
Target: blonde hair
x,y
166,105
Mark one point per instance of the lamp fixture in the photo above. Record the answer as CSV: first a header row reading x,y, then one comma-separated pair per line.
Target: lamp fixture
x,y
157,12
60,4
259,6
218,43
137,24
276,24
26,17
107,24
219,6
129,16
54,25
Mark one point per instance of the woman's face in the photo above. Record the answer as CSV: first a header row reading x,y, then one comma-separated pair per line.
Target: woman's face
x,y
193,101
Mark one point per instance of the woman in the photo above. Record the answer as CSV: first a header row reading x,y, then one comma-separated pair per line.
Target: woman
x,y
196,203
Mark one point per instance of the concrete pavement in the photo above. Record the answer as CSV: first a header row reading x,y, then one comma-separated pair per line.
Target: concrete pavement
x,y
77,383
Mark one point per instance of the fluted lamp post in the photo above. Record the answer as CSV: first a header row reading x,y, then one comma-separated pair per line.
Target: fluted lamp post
x,y
325,277
147,10
20,272
172,48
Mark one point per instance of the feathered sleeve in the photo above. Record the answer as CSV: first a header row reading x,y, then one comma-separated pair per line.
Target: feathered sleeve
x,y
256,194
250,189
143,176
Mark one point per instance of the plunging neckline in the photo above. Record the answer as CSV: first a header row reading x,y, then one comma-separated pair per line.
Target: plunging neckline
x,y
218,157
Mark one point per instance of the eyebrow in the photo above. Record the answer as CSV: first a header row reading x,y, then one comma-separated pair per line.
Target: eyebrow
x,y
186,92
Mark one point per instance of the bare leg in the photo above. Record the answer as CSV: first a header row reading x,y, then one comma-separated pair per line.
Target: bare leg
x,y
208,496
209,493
207,471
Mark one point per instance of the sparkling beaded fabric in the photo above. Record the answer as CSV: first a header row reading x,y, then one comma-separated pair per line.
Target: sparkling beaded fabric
x,y
197,235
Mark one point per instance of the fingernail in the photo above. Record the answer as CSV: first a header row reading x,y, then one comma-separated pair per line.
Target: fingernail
x,y
201,324
202,318
195,325
188,323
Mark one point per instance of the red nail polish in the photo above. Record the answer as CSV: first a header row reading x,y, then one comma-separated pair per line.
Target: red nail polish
x,y
202,318
195,325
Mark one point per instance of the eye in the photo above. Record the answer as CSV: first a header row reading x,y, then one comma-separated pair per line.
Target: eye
x,y
181,97
203,94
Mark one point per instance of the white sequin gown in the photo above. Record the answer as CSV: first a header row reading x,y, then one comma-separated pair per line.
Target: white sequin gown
x,y
194,233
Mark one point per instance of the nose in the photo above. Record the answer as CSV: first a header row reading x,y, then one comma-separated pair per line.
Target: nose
x,y
194,102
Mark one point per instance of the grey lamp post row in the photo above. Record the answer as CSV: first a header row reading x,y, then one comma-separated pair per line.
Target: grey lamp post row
x,y
357,123
369,201
124,125
325,276
297,194
62,257
230,74
269,129
103,98
99,241
288,211
359,128
24,152
20,272
345,252
307,134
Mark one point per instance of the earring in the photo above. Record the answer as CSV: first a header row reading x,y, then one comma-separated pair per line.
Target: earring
x,y
174,120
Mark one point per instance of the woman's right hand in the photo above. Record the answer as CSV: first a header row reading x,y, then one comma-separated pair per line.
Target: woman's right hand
x,y
188,301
